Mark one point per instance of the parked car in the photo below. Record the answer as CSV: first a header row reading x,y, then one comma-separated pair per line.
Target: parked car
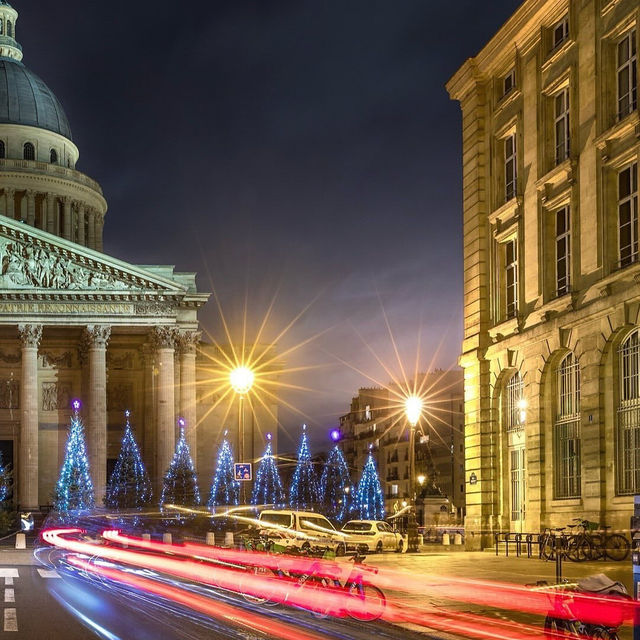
x,y
374,534
303,529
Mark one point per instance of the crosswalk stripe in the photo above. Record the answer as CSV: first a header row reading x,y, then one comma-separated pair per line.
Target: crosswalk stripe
x,y
9,573
48,573
9,595
10,620
8,581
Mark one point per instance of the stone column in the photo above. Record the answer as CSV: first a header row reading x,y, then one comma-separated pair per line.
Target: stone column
x,y
81,233
95,341
99,228
31,207
163,339
91,231
66,231
187,348
10,195
51,213
30,335
148,440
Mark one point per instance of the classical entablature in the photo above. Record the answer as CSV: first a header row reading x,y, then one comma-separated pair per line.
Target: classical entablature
x,y
44,278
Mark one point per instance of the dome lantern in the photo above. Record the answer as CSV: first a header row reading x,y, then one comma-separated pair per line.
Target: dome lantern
x,y
9,46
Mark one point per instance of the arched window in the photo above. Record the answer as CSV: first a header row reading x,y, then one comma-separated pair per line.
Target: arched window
x,y
1,27
28,151
515,414
53,156
9,29
566,440
628,450
2,149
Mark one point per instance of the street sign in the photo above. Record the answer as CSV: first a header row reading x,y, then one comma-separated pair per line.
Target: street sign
x,y
242,471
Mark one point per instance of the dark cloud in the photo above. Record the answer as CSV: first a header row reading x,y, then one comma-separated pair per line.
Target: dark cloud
x,y
306,146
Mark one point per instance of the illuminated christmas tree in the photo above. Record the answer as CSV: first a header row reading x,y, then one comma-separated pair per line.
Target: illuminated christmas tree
x,y
225,489
303,493
336,487
129,486
6,477
267,489
369,497
180,484
74,489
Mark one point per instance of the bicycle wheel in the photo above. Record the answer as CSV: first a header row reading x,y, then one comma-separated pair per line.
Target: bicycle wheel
x,y
597,547
548,550
578,549
365,602
555,628
617,547
253,599
603,634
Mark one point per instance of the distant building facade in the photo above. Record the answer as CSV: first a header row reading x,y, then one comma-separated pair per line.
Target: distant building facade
x,y
551,350
375,420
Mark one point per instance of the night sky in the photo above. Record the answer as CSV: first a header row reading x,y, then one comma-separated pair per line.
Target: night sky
x,y
301,149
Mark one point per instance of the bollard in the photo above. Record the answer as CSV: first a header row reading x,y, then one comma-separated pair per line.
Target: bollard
x,y
166,538
21,541
420,539
228,539
457,539
445,540
211,538
405,543
146,536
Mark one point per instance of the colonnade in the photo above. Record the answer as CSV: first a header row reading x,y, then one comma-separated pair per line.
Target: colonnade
x,y
165,343
63,216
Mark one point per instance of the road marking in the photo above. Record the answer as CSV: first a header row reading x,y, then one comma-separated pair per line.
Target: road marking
x,y
48,573
9,595
10,620
9,573
8,581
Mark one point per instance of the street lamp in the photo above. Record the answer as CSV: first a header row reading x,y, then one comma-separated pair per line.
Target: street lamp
x,y
241,380
413,411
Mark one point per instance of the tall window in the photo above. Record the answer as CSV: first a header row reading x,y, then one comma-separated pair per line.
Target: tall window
x,y
628,214
9,29
560,33
562,125
508,82
511,277
53,156
566,454
510,167
627,75
563,251
514,407
29,151
628,437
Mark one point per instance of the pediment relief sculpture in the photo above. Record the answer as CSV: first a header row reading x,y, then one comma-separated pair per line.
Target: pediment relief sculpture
x,y
27,266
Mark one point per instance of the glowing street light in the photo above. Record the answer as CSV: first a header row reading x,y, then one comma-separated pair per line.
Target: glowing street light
x,y
413,412
241,380
421,479
413,409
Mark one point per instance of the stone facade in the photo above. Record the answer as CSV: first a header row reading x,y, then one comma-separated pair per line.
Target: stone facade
x,y
551,299
376,420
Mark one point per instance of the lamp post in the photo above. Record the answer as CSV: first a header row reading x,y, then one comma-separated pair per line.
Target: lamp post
x,y
241,380
413,411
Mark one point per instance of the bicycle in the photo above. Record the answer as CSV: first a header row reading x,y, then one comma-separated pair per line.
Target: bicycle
x,y
599,545
552,540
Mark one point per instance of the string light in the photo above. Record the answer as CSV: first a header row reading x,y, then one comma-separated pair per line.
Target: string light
x,y
129,485
180,484
335,486
304,493
74,489
225,489
268,486
369,496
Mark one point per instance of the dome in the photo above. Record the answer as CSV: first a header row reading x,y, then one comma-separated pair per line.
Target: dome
x,y
26,100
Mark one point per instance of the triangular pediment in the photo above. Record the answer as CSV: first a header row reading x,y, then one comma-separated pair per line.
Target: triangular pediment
x,y
32,259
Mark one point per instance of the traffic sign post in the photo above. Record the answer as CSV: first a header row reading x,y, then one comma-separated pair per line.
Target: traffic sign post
x,y
242,471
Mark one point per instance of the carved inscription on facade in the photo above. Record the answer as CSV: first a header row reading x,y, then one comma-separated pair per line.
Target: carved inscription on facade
x,y
27,266
56,395
66,308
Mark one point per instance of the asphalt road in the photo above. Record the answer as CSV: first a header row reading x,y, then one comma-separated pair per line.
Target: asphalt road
x,y
48,605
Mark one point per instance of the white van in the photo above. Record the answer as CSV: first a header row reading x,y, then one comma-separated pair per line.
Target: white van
x,y
303,529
